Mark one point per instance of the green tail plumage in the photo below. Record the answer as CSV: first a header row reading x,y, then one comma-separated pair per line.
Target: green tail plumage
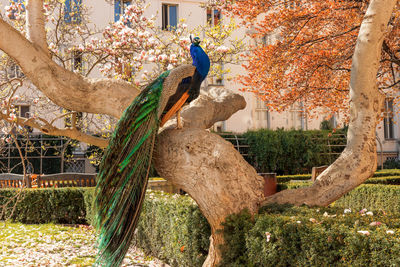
x,y
123,175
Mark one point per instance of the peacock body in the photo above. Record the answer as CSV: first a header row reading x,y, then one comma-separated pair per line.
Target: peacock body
x,y
124,170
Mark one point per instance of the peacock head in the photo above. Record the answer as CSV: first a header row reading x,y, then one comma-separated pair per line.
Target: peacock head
x,y
196,40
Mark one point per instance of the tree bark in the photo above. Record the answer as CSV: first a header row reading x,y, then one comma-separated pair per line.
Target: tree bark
x,y
359,159
206,166
35,24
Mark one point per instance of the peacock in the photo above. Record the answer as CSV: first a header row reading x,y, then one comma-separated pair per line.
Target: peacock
x,y
125,167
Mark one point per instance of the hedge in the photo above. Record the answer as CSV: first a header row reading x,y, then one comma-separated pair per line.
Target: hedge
x,y
62,205
391,176
288,178
291,152
302,236
389,180
370,196
173,229
389,172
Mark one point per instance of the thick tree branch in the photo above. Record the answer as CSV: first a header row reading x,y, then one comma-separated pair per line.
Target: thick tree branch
x,y
206,166
217,104
63,87
35,24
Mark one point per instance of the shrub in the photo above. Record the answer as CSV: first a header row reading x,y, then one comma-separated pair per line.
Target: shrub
x,y
62,205
291,152
173,229
391,164
391,176
288,178
372,196
390,180
302,236
389,172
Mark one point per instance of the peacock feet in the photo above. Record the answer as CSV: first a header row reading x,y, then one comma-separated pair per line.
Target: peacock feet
x,y
179,124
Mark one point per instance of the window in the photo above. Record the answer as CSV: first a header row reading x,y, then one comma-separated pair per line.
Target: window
x,y
14,71
72,11
388,120
213,16
169,16
298,116
16,6
263,117
22,110
267,39
77,63
119,8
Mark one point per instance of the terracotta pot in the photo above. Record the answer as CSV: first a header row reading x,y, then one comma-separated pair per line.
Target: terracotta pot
x,y
270,183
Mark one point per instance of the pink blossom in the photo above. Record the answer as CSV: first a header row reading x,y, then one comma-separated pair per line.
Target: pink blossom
x,y
222,49
268,236
363,232
375,223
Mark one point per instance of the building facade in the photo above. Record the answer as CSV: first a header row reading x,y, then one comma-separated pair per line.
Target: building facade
x,y
256,115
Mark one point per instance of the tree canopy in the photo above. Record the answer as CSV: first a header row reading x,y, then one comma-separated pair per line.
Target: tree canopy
x,y
303,51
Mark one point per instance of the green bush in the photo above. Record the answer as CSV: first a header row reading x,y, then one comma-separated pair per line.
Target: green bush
x,y
288,178
391,164
302,236
62,205
391,176
389,172
291,152
390,180
372,196
173,229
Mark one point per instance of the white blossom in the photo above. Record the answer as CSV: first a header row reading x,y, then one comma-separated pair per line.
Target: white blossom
x,y
363,232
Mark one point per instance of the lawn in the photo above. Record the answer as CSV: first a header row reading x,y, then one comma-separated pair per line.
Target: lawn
x,y
55,245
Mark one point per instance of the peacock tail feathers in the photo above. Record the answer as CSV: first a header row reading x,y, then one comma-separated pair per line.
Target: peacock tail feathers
x,y
123,175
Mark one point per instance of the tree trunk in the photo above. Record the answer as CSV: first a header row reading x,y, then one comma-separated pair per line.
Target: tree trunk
x,y
213,173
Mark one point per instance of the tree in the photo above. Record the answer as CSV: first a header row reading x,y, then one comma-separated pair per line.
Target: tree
x,y
304,52
202,163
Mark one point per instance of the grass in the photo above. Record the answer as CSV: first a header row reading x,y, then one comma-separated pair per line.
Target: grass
x,y
55,245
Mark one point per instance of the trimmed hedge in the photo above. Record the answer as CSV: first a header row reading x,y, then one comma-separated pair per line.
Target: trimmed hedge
x,y
291,152
389,172
302,236
45,205
288,178
370,196
173,229
391,176
389,180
